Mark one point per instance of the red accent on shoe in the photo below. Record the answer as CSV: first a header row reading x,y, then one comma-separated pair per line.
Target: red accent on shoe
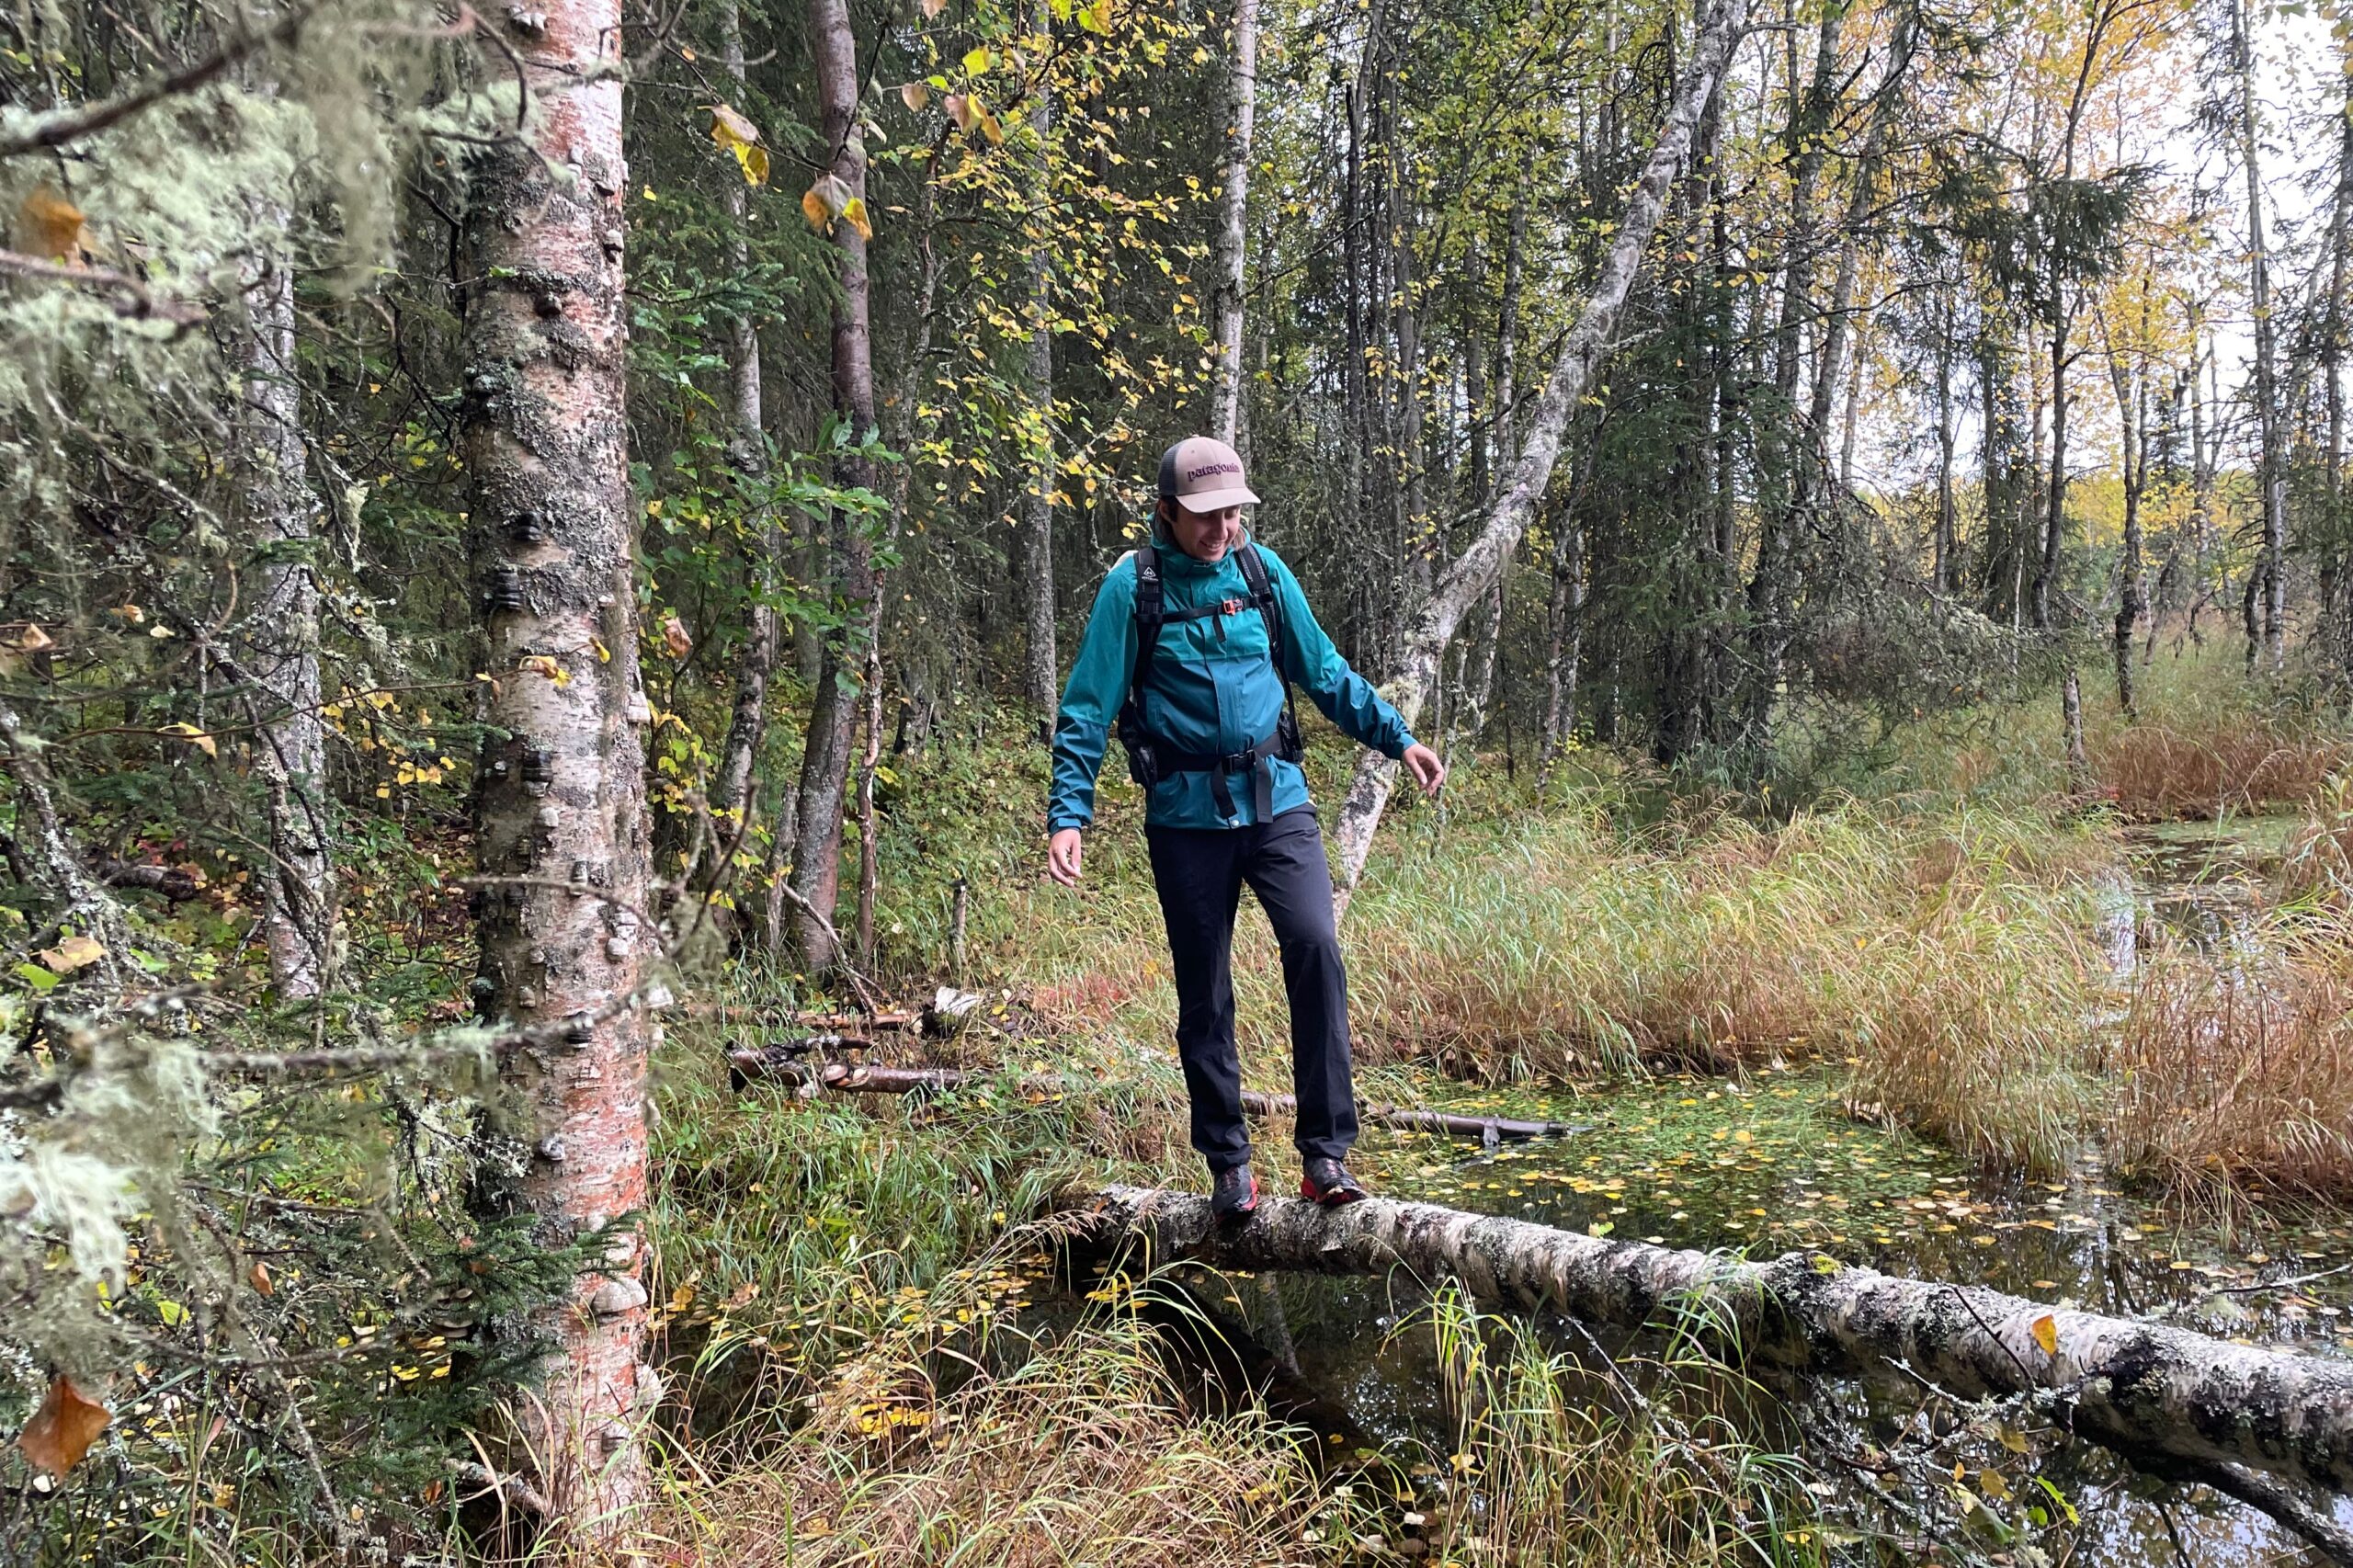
x,y
1337,1198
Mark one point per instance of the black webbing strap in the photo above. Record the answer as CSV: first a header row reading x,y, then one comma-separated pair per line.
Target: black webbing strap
x,y
1152,613
1253,762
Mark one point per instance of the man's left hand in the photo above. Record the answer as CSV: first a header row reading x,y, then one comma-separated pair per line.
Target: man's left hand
x,y
1424,765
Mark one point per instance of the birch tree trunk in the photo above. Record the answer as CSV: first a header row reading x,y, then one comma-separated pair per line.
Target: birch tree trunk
x,y
833,718
2142,1386
290,753
733,788
559,808
1480,565
1231,242
1039,663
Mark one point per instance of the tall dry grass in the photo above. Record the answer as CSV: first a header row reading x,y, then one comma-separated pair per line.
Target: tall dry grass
x,y
2227,1079
1947,960
1082,1453
2226,764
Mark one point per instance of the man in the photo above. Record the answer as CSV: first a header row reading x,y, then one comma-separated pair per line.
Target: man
x,y
1191,649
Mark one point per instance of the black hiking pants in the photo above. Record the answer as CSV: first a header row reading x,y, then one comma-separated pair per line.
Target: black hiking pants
x,y
1200,873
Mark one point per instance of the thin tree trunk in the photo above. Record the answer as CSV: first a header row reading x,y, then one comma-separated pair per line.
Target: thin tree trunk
x,y
1507,341
561,806
1040,665
1945,573
2144,1386
1483,563
731,789
2272,462
2054,504
1790,458
1564,625
289,754
2337,633
1230,244
833,718
2130,381
2071,712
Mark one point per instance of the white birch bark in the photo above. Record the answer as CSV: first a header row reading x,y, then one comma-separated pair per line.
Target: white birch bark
x,y
1480,565
282,640
561,807
2142,1386
1231,242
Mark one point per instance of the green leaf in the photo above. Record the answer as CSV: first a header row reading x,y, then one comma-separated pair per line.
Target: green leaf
x,y
40,979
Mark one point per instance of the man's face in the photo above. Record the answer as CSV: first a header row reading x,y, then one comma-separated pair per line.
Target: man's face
x,y
1205,536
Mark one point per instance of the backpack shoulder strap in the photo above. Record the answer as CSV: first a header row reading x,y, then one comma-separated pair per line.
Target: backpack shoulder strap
x,y
1262,594
1151,611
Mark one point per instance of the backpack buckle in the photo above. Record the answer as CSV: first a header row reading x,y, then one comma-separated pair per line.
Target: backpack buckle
x,y
1232,607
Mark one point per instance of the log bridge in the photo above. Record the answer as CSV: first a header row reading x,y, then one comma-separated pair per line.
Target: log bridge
x,y
2181,1405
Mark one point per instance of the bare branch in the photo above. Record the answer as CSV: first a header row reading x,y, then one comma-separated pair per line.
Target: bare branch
x,y
57,130
133,297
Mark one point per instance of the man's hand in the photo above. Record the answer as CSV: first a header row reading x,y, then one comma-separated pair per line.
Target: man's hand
x,y
1063,854
1428,770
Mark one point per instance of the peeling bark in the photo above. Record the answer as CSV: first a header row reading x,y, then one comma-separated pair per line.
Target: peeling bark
x,y
559,808
2130,1385
1480,565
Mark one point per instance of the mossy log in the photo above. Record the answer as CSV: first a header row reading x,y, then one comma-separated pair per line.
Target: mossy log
x,y
2141,1387
777,1065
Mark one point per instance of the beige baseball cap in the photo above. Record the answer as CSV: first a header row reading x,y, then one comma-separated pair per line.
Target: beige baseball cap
x,y
1202,475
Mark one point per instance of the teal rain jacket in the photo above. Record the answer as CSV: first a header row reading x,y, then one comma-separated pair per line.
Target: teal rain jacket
x,y
1211,691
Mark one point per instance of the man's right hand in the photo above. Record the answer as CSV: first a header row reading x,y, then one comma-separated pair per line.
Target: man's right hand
x,y
1064,851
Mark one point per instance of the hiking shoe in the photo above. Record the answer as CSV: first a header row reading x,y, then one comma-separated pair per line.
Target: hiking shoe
x,y
1328,1182
1233,1193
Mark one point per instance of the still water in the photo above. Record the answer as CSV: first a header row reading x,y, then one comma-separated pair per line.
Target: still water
x,y
1777,1162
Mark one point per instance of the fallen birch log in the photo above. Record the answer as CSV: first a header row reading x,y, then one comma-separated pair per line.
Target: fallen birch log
x,y
2139,1388
750,1065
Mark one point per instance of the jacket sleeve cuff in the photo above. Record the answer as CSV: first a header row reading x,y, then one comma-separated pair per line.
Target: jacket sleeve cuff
x,y
1396,752
1057,821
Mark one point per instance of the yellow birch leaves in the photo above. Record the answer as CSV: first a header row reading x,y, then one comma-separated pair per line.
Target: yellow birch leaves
x,y
830,199
738,136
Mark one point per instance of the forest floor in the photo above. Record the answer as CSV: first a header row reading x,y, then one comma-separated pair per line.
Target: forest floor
x,y
1953,1012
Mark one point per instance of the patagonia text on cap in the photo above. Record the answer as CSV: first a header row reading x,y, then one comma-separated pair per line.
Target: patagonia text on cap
x,y
1202,475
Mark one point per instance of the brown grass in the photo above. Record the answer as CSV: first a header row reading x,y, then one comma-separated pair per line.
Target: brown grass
x,y
2227,1080
2235,763
1084,1453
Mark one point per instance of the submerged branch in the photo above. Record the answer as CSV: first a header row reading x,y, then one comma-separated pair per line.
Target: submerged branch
x,y
776,1064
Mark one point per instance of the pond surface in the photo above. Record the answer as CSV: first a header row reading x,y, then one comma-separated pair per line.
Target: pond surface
x,y
1775,1164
